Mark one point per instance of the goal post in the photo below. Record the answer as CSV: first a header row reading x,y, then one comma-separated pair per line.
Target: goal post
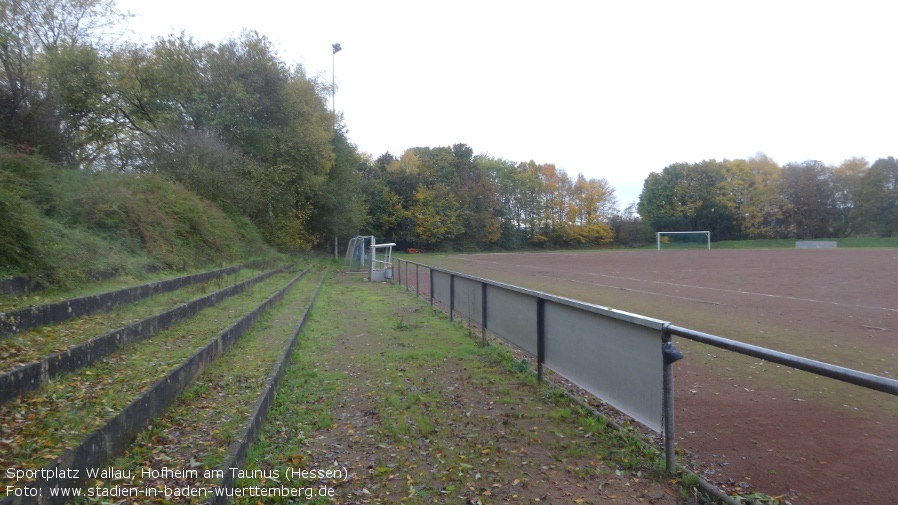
x,y
358,255
683,239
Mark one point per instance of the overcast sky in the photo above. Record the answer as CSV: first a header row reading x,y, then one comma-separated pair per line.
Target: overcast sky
x,y
612,90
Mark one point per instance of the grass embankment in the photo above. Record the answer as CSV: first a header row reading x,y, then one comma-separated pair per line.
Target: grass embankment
x,y
62,228
414,409
60,414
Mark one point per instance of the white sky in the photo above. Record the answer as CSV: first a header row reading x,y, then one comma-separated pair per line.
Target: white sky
x,y
612,90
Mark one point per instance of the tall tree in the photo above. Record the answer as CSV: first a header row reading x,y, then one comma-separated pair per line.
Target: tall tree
x,y
846,180
502,178
556,187
436,212
529,200
590,210
659,201
338,206
478,200
765,205
78,79
810,197
240,94
630,229
33,34
876,203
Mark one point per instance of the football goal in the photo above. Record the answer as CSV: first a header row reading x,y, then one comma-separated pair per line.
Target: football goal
x,y
358,254
684,240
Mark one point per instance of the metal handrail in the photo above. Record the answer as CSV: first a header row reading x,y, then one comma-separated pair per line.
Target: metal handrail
x,y
858,378
854,377
851,376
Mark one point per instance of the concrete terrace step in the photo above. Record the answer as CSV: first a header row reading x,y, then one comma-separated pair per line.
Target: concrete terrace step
x,y
28,377
108,439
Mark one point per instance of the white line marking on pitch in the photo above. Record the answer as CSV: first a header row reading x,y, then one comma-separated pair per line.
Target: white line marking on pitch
x,y
741,292
639,291
736,291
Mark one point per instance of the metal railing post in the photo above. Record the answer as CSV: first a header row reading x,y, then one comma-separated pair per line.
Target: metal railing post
x,y
540,337
431,287
671,355
451,296
417,283
483,312
670,442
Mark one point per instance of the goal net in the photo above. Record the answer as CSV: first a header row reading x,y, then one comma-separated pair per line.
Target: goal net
x,y
358,253
684,240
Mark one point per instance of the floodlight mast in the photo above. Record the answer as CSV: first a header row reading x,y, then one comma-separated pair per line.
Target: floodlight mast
x,y
337,49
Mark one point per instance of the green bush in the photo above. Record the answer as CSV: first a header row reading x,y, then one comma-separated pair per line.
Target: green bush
x,y
22,189
19,222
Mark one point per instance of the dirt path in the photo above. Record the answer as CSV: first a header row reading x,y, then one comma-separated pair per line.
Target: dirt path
x,y
416,411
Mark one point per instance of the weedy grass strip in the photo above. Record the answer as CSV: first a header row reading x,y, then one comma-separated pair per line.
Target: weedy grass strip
x,y
26,318
32,293
40,427
200,429
239,450
419,412
30,345
11,302
28,377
